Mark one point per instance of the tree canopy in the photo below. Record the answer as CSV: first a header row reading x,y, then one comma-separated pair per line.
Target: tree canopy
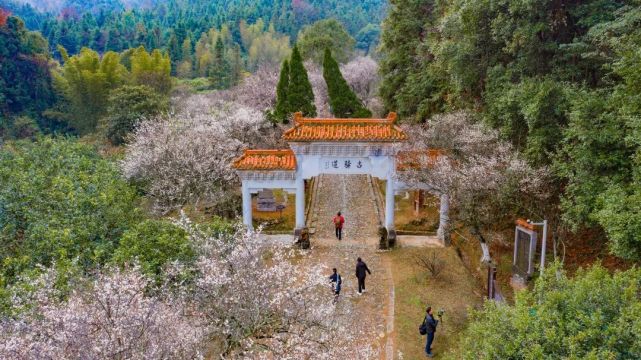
x,y
558,80
342,100
60,202
325,34
300,96
590,316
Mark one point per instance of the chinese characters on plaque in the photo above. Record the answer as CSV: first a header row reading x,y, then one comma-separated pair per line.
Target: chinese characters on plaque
x,y
345,165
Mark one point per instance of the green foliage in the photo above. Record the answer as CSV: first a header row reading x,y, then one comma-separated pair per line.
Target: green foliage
x,y
25,80
281,110
21,127
594,315
85,81
267,48
620,215
314,39
600,155
151,69
342,100
300,96
60,201
367,38
594,154
219,74
154,244
127,105
531,114
117,28
408,85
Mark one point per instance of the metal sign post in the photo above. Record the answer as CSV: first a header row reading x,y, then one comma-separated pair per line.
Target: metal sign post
x,y
543,241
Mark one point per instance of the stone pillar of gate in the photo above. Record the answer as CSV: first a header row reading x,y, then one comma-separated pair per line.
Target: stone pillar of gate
x,y
389,203
300,201
247,207
443,231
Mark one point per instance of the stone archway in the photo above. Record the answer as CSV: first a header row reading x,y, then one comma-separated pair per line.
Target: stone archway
x,y
331,146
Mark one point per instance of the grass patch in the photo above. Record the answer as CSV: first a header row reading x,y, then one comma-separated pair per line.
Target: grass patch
x,y
275,221
406,219
454,290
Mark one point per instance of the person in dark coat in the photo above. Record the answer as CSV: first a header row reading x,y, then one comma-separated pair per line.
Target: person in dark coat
x,y
431,329
337,280
361,272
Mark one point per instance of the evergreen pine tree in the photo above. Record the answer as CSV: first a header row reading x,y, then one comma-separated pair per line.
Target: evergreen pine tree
x,y
219,74
236,66
300,96
281,111
342,100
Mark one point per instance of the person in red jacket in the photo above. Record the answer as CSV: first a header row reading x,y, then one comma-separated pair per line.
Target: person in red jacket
x,y
339,220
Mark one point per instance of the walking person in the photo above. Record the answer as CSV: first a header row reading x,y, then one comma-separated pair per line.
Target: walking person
x,y
338,282
429,327
339,220
361,272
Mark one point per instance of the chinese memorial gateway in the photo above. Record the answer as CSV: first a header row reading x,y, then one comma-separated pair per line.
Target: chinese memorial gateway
x,y
333,146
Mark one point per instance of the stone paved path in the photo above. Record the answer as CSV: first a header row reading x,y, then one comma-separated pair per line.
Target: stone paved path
x,y
371,315
353,197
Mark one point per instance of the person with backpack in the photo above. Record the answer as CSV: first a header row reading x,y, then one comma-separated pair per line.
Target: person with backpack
x,y
339,220
338,282
361,272
428,327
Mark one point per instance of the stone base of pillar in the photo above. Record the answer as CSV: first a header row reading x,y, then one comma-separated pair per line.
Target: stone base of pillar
x,y
383,242
444,237
301,238
391,237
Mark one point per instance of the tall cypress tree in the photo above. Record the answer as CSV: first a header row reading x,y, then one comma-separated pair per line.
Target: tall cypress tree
x,y
219,74
282,106
300,95
342,100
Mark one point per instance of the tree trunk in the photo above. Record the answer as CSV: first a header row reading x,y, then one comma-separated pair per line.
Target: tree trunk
x,y
485,258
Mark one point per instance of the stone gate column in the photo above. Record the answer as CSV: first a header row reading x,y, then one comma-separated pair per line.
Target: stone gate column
x,y
247,207
443,231
389,203
300,201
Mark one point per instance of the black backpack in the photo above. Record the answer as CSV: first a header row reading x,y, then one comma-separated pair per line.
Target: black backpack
x,y
423,328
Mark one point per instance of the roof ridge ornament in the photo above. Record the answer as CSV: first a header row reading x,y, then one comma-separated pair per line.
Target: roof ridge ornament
x,y
391,116
298,117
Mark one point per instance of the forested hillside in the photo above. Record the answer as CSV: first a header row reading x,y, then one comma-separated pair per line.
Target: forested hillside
x,y
118,25
559,80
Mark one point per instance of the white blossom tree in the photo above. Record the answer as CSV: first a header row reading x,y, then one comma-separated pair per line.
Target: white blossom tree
x,y
109,317
362,75
487,182
261,305
242,298
186,158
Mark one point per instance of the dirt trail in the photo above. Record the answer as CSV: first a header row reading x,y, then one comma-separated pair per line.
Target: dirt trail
x,y
371,314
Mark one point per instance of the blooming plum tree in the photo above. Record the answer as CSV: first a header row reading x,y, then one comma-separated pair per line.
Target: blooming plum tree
x,y
487,182
109,317
242,298
186,158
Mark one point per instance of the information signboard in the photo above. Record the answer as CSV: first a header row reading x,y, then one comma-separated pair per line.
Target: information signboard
x,y
524,250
